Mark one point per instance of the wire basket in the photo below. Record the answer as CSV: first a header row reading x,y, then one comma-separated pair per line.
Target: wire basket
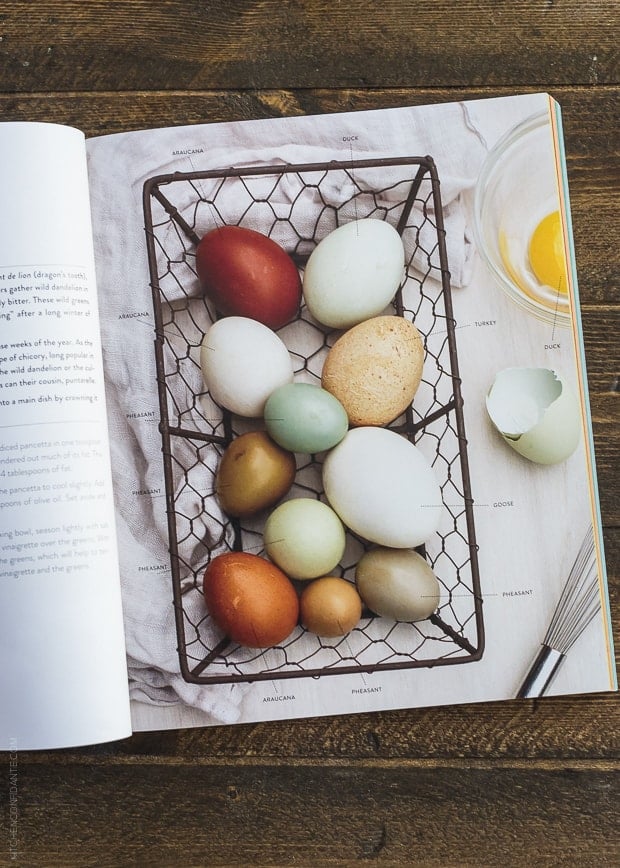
x,y
297,205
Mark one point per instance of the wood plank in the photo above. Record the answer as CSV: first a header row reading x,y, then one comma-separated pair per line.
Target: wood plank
x,y
272,814
571,730
565,730
590,115
601,327
237,44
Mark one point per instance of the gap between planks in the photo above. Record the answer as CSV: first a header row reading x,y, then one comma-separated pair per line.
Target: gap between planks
x,y
562,764
369,91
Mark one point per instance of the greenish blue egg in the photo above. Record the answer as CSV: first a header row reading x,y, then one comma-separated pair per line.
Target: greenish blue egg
x,y
305,418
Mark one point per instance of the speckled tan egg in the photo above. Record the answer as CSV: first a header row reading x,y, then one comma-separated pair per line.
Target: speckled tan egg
x,y
375,368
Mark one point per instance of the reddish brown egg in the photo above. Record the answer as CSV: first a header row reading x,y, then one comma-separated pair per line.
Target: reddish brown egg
x,y
250,599
246,273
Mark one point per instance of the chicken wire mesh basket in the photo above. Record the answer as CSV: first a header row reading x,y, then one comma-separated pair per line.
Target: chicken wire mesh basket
x,y
297,206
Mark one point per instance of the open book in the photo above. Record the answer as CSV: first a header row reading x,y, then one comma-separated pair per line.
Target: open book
x,y
113,434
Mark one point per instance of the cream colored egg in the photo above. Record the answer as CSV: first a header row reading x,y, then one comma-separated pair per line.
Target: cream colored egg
x,y
354,272
383,488
242,363
375,368
536,412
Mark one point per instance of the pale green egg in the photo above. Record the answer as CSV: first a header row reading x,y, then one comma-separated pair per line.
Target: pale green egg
x,y
305,538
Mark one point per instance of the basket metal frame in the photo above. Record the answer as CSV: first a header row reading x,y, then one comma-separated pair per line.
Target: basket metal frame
x,y
421,168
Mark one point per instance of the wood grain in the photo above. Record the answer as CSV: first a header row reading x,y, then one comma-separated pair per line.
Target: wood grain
x,y
237,45
515,783
161,814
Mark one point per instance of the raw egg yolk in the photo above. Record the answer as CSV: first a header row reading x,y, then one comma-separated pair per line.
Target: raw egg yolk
x,y
546,253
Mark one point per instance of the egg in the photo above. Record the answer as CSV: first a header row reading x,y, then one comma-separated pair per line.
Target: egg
x,y
303,417
397,583
250,599
246,273
242,363
374,369
383,488
304,537
536,412
354,272
330,607
253,474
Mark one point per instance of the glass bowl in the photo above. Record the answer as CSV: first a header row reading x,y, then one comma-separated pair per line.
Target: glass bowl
x,y
516,189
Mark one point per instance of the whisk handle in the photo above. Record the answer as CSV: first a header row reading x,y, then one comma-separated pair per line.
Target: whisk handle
x,y
541,673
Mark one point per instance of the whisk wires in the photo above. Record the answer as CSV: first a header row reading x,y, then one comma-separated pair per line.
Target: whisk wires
x,y
579,601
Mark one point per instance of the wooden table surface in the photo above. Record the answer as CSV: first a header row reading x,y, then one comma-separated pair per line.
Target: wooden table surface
x,y
517,783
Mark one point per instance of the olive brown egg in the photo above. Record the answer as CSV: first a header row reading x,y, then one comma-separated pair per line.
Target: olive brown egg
x,y
253,474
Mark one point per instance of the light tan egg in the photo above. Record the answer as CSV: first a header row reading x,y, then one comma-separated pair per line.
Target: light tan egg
x,y
375,368
330,607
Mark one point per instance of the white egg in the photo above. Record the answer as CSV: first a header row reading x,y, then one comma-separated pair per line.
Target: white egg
x,y
242,363
383,488
536,413
354,272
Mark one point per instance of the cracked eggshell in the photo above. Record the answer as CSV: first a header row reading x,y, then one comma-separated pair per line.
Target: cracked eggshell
x,y
536,412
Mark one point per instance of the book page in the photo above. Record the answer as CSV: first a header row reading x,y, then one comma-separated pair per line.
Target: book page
x,y
510,528
63,680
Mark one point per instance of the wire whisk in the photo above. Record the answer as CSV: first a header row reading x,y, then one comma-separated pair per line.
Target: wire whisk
x,y
578,604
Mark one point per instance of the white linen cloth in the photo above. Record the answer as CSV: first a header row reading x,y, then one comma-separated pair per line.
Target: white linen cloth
x,y
118,168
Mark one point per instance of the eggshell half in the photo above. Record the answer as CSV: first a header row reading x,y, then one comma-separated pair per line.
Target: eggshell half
x,y
383,488
536,412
